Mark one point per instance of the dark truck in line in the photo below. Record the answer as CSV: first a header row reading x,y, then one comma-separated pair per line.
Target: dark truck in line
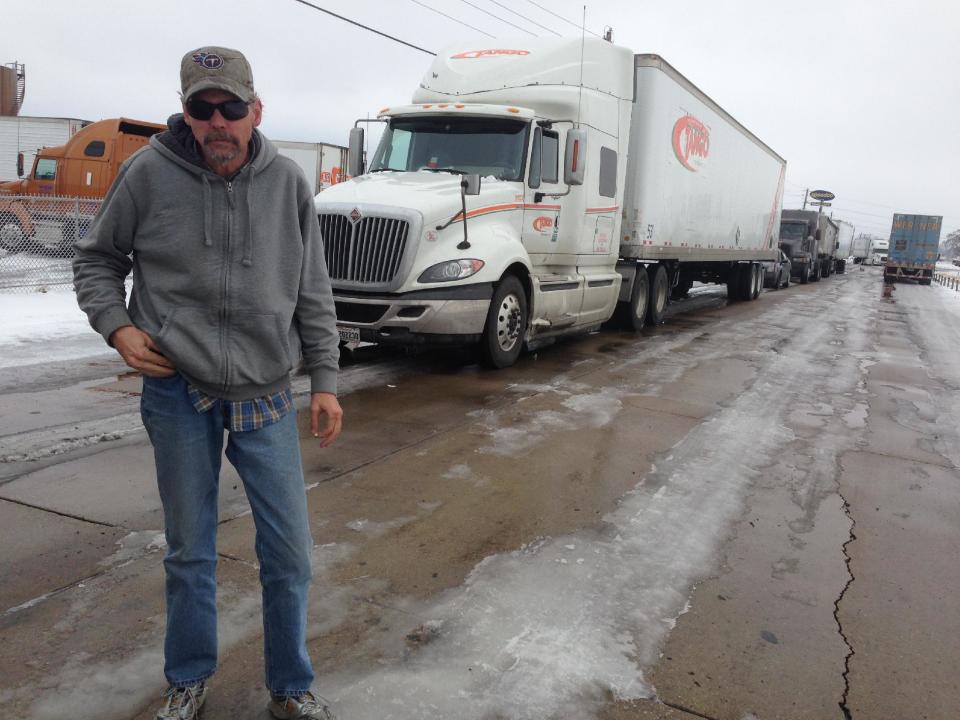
x,y
914,248
809,239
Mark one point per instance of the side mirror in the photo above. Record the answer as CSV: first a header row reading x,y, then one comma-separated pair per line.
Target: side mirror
x,y
471,184
575,157
355,153
20,165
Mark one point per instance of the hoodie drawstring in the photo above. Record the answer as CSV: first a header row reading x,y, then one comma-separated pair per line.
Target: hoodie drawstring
x,y
247,260
207,212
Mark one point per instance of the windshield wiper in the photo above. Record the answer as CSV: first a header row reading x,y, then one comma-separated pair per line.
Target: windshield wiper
x,y
385,169
452,171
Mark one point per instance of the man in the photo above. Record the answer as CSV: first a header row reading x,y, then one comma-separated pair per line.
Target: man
x,y
229,287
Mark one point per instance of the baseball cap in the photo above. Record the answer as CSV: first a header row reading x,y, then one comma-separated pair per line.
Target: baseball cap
x,y
216,68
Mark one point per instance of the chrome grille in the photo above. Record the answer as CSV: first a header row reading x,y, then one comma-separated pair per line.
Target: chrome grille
x,y
368,251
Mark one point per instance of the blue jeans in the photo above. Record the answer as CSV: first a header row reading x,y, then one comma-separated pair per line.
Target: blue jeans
x,y
187,448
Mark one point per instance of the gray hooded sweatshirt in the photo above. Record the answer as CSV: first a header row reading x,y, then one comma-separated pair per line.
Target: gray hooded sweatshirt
x,y
229,277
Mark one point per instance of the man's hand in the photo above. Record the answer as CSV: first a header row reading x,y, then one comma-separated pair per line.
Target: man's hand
x,y
138,351
327,404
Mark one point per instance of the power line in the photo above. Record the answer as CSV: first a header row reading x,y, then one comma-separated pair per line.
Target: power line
x,y
450,17
365,27
487,12
578,26
525,17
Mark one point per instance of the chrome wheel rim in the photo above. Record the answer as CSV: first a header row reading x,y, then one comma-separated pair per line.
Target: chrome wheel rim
x,y
508,322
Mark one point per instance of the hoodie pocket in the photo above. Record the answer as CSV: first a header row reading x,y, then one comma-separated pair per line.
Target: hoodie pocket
x,y
190,338
258,347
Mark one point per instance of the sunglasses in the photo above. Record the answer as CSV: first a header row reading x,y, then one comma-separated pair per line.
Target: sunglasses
x,y
229,109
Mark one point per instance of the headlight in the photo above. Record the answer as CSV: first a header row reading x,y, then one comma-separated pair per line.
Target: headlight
x,y
450,270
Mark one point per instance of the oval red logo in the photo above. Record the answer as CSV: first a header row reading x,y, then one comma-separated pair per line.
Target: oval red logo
x,y
472,54
542,223
691,142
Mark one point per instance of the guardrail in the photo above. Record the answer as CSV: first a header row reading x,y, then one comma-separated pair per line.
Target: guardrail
x,y
950,280
38,235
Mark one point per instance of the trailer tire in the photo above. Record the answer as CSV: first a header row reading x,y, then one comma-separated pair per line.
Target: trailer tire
x,y
639,300
659,294
12,237
757,286
506,324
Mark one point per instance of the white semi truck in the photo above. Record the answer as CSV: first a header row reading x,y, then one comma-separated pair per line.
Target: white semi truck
x,y
533,189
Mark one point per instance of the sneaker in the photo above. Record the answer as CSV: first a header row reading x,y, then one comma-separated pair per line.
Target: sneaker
x,y
308,706
183,703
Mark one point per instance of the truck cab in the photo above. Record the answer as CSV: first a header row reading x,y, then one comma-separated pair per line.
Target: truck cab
x,y
86,165
534,254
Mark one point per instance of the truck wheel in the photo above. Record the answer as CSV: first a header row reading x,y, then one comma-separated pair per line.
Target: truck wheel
x,y
12,237
639,299
815,272
506,324
757,273
805,274
659,294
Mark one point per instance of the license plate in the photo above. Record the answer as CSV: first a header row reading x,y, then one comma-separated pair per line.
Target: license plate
x,y
348,334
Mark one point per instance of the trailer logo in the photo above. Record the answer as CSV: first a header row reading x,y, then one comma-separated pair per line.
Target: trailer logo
x,y
691,142
211,61
474,54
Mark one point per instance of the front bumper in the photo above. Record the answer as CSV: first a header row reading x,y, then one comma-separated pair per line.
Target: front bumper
x,y
447,315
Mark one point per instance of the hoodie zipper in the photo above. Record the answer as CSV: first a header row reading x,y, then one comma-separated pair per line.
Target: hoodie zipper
x,y
224,305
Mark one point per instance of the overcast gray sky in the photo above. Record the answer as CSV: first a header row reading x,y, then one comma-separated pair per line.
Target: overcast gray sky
x,y
860,96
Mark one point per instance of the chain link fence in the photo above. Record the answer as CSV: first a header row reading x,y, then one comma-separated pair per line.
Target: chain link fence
x,y
37,239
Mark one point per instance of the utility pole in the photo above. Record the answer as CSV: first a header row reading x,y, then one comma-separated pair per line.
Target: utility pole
x,y
805,193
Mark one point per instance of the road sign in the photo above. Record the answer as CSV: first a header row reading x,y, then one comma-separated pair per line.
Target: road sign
x,y
822,195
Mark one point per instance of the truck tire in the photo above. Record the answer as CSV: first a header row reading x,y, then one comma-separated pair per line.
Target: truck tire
x,y
741,287
756,270
639,300
12,237
815,273
805,274
506,324
659,294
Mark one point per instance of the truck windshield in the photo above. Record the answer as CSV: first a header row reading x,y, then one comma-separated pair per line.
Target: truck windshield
x,y
483,145
793,231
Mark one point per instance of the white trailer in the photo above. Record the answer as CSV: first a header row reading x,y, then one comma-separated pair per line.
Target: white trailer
x,y
324,165
533,189
845,232
861,248
27,135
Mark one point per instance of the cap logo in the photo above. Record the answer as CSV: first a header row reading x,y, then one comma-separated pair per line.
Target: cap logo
x,y
210,61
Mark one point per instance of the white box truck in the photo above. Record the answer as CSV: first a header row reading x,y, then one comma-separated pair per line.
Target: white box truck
x,y
27,135
324,165
845,232
534,188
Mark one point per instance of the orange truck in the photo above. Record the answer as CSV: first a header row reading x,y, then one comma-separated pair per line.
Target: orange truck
x,y
81,169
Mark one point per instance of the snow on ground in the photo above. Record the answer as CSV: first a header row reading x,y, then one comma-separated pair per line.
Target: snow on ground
x,y
45,327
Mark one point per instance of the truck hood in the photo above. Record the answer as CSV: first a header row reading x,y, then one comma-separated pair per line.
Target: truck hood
x,y
436,196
